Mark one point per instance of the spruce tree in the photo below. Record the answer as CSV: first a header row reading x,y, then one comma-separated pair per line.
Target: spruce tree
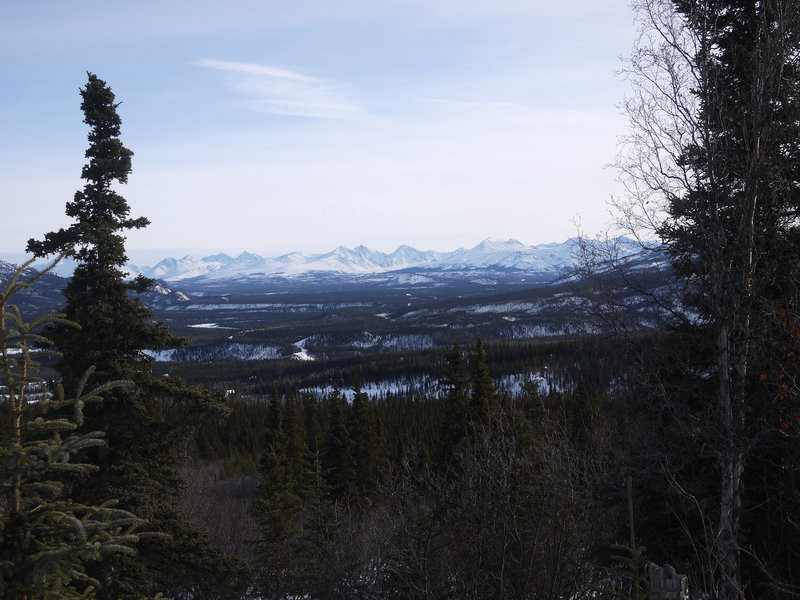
x,y
141,461
312,424
580,414
483,396
733,235
456,415
46,539
715,125
289,504
363,432
337,460
277,507
296,446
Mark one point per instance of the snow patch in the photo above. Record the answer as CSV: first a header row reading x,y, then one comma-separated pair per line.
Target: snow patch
x,y
218,352
302,353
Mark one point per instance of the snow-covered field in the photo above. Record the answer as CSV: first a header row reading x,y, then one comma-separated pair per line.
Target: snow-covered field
x,y
512,385
219,352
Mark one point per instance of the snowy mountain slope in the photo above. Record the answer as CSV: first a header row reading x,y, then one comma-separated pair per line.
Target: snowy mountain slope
x,y
491,263
546,261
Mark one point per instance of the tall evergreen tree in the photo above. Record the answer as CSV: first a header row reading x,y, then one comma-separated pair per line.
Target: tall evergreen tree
x,y
288,506
733,234
312,424
456,409
277,506
716,123
140,463
580,415
363,432
337,460
301,460
483,397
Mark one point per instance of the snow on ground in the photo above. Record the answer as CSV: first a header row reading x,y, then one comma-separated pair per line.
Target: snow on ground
x,y
505,307
302,354
255,307
386,387
161,356
273,306
431,385
410,279
514,385
542,330
392,342
210,326
217,352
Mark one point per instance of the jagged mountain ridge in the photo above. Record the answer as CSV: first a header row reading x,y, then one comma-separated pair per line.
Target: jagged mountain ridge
x,y
547,261
490,263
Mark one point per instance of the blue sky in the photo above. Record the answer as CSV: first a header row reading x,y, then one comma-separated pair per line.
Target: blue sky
x,y
278,126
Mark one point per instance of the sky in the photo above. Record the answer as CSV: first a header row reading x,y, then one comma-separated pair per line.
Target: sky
x,y
271,126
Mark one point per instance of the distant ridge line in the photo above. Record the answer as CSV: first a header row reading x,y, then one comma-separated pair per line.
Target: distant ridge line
x,y
549,260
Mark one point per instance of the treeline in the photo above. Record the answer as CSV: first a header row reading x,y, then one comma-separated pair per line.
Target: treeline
x,y
402,419
474,493
467,494
561,362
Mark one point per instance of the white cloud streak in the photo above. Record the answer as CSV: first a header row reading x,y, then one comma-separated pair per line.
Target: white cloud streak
x,y
281,91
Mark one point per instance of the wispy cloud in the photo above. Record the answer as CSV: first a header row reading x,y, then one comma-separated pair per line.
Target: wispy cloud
x,y
281,91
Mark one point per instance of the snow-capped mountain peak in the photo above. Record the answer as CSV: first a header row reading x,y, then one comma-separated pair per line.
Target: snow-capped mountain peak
x,y
493,245
490,253
219,258
512,258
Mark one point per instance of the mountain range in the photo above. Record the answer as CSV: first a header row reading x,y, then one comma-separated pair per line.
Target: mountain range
x,y
489,263
500,289
542,263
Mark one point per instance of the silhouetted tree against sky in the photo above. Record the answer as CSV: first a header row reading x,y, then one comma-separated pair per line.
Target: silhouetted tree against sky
x,y
141,461
712,166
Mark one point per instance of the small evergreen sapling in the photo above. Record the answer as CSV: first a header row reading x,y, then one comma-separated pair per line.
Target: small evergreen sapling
x,y
45,538
632,557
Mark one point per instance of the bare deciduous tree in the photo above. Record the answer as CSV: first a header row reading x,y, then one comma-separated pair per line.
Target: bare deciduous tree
x,y
711,166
